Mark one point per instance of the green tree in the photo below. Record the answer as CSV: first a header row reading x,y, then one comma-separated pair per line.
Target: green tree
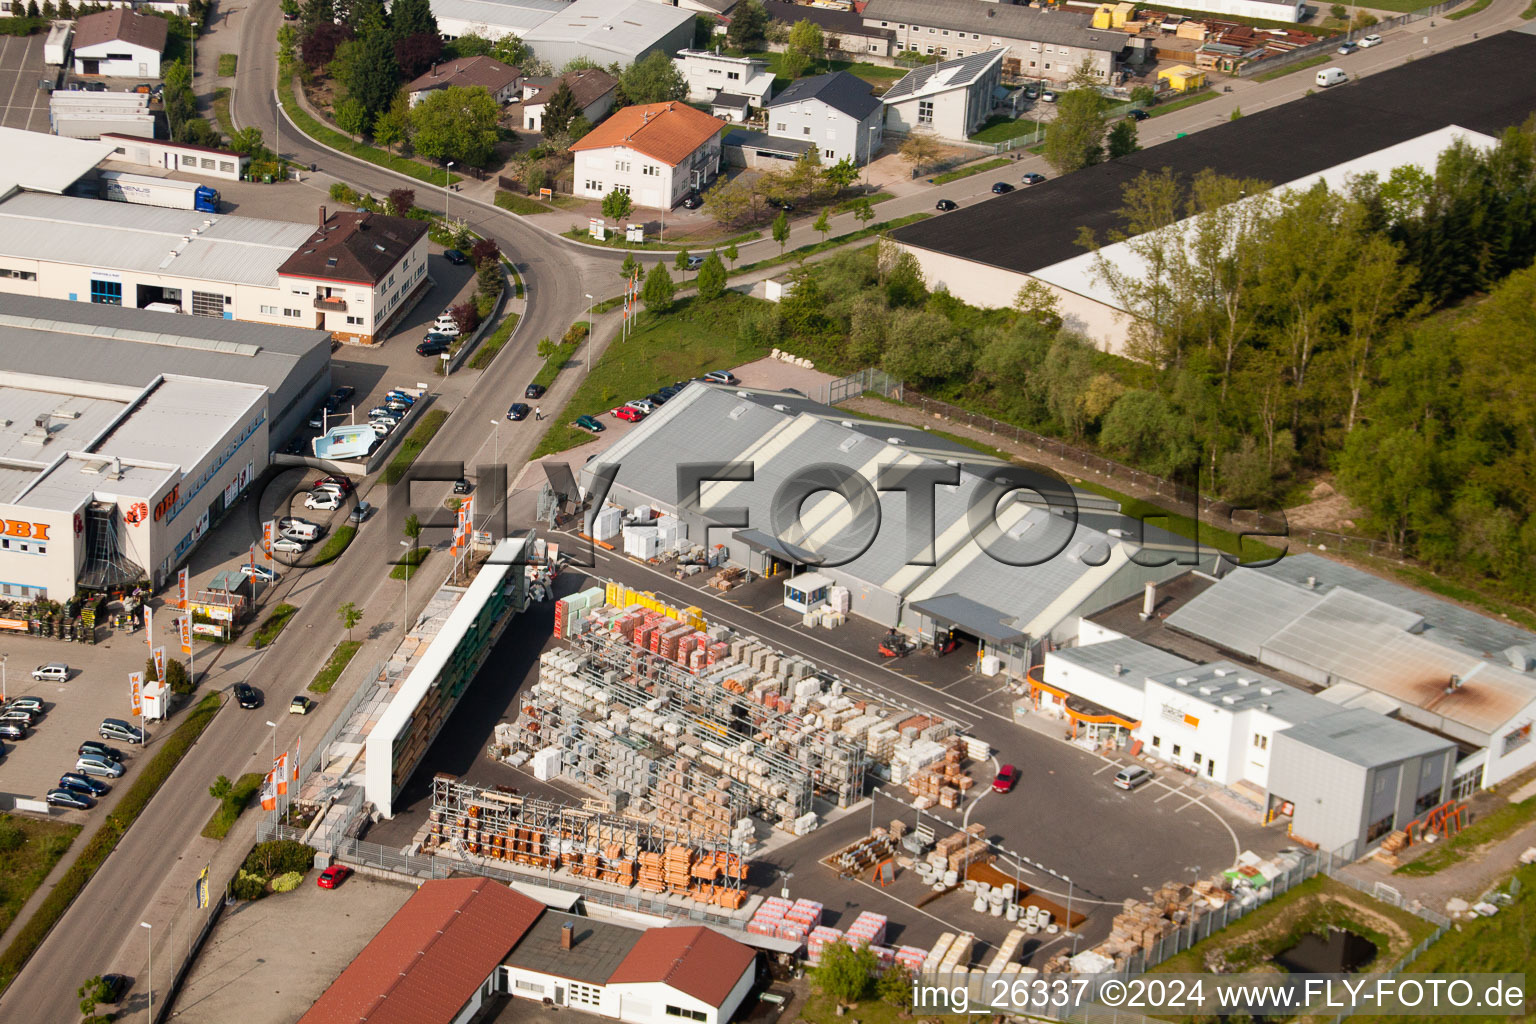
x,y
509,49
653,78
781,230
1122,139
920,149
351,115
904,285
1339,12
1237,113
316,12
805,50
177,678
393,125
472,44
845,972
617,205
373,78
400,201
863,210
731,254
658,290
748,29
711,279
576,130
560,109
894,986
350,615
93,993
1075,139
412,17
804,174
413,528
32,9
1143,96
822,225
729,200
629,266
680,263
221,789
841,174
457,124
1144,426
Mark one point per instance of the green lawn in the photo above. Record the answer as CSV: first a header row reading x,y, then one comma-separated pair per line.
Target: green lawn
x,y
493,343
223,819
409,564
966,172
29,848
554,363
1465,12
172,748
411,448
1529,12
221,110
832,243
1188,101
1291,69
334,666
519,204
848,204
270,629
334,545
1490,828
615,240
336,140
694,338
227,64
1000,129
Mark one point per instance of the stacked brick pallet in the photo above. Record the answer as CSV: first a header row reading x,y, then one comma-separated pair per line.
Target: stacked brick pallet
x,y
962,849
942,782
867,929
819,939
912,958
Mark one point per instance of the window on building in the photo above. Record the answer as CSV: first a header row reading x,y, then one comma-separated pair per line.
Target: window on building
x,y
1176,750
686,1014
925,112
734,76
356,321
583,995
107,293
1157,741
1427,801
621,165
929,48
1261,741
1199,757
1210,768
594,186
20,275
269,311
805,130
1512,740
1378,829
227,166
207,304
830,155
292,314
528,986
651,169
943,51
621,188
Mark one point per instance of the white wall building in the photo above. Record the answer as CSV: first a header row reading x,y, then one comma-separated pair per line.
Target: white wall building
x,y
177,156
950,99
491,18
119,43
592,88
836,112
709,73
609,31
655,153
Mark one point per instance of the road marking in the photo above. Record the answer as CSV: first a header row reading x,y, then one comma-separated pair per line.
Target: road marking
x,y
1107,766
1171,792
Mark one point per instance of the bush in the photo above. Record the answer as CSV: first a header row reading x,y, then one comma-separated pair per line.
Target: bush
x,y
344,193
11,835
287,882
248,886
278,857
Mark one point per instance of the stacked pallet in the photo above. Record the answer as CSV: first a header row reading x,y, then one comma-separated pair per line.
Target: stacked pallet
x,y
819,939
652,874
958,957
1006,953
677,863
768,916
728,578
937,953
868,929
912,958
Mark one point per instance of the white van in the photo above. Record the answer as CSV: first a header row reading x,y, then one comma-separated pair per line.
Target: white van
x,y
1331,76
163,307
301,531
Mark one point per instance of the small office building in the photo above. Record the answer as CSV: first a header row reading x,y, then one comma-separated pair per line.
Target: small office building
x,y
592,88
203,161
950,99
710,73
120,43
836,112
502,81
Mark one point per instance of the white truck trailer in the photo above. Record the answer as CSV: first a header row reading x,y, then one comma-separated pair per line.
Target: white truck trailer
x,y
144,190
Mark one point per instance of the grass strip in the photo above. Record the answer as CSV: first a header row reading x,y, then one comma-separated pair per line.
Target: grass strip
x,y
1001,128
346,144
409,564
1490,828
494,343
30,848
1188,101
616,241
556,361
334,666
270,629
412,447
1290,69
221,110
233,806
172,749
848,205
227,64
1529,12
966,172
1467,12
831,243
515,203
334,545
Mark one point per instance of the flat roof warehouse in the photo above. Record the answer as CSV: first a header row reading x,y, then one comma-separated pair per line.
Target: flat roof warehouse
x,y
1484,86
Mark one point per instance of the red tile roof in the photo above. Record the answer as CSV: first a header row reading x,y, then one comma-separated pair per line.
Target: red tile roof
x,y
424,965
669,132
697,961
359,248
467,73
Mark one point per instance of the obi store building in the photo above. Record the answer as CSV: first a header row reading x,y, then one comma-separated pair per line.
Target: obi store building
x,y
104,483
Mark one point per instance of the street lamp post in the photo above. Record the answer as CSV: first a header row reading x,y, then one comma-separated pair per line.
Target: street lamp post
x,y
495,462
3,659
590,333
151,994
446,176
1070,929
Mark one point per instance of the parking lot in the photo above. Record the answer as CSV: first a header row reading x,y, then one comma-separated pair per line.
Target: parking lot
x,y
23,101
97,689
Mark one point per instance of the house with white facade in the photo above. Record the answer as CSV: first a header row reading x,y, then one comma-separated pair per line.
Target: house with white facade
x,y
592,88
655,153
836,111
119,43
710,73
502,81
950,99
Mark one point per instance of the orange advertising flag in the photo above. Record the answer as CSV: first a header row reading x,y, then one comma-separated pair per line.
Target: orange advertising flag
x,y
181,589
280,769
268,793
136,692
267,529
186,633
159,656
149,626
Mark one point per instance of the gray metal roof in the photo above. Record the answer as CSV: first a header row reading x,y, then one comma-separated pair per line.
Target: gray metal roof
x,y
845,93
147,239
609,24
959,73
1363,737
969,616
1135,659
1234,688
40,162
996,20
745,139
1242,611
519,16
598,948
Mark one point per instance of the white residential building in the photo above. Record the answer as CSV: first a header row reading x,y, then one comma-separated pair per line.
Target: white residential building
x,y
655,153
709,73
950,99
837,112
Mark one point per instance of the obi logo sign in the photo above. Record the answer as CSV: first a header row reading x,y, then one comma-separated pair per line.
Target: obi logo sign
x,y
18,528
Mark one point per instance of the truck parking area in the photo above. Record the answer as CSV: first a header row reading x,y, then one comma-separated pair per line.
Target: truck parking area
x,y
23,100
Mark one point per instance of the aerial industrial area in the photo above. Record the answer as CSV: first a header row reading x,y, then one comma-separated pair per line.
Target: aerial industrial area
x,y
748,510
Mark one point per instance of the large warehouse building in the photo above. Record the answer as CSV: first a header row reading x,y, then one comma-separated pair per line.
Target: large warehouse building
x,y
128,433
985,253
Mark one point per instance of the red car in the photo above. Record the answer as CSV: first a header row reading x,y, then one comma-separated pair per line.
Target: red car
x,y
1007,777
339,481
333,876
625,412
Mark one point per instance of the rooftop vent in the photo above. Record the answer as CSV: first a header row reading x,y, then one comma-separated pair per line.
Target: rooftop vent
x,y
1269,691
1119,669
1244,681
781,408
1231,698
1184,680
1207,690
1454,684
849,443
1220,671
330,261
1311,582
377,246
738,412
894,440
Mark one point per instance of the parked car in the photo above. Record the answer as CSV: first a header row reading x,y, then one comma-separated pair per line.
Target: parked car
x,y
781,204
627,414
333,876
53,672
433,348
325,483
295,446
33,704
246,696
95,764
455,257
83,784
66,798
379,412
448,327
1001,188
300,705
1130,778
695,262
360,512
644,405
1348,47
13,731
1370,40
1048,97
259,573
100,750
518,411
1137,114
330,486
19,716
397,395
720,377
1006,778
656,398
946,206
1033,179
534,391
323,502
298,529
117,729
692,201
343,393
289,546
589,424
317,418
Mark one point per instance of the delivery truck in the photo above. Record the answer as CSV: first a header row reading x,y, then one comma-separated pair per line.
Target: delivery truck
x,y
148,191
